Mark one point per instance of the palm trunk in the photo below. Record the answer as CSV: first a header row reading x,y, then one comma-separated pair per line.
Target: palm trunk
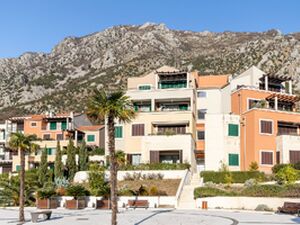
x,y
113,169
22,186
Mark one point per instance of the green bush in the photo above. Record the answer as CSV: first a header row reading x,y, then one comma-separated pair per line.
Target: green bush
x,y
287,175
263,191
156,166
236,176
278,167
46,193
202,192
97,184
76,190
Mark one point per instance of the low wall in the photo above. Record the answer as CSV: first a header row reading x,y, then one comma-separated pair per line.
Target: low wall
x,y
249,203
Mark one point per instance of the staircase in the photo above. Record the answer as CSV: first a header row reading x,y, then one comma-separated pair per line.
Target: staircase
x,y
186,200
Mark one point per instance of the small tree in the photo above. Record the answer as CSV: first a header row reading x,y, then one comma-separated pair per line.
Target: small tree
x,y
83,157
71,160
43,168
97,183
287,175
58,165
253,166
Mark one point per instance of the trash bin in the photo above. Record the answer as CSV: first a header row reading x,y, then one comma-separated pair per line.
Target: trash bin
x,y
204,204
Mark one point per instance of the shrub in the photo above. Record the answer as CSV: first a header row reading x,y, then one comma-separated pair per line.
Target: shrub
x,y
253,166
263,191
286,174
262,207
139,176
61,182
228,178
46,193
153,191
297,166
278,167
156,166
237,176
97,184
202,192
250,183
76,190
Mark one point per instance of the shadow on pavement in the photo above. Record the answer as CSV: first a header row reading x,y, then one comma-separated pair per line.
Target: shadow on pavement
x,y
152,215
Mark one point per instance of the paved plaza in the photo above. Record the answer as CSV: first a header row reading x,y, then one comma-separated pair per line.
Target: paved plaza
x,y
152,217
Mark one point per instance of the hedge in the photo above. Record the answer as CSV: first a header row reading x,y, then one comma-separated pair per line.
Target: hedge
x,y
277,167
156,166
237,176
272,190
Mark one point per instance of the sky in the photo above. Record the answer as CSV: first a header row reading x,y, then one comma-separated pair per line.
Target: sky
x,y
38,25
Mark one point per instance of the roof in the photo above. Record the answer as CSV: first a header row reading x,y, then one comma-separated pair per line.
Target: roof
x,y
212,81
90,128
43,116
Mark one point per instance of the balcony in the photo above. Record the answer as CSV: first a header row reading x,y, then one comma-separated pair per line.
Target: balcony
x,y
169,105
172,80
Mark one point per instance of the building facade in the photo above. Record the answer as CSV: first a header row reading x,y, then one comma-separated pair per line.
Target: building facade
x,y
211,120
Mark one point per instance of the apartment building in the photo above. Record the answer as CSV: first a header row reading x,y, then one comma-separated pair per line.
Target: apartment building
x,y
51,128
210,120
5,154
164,128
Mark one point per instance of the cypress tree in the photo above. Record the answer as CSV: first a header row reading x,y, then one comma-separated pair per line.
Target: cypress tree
x,y
43,168
58,165
83,157
71,160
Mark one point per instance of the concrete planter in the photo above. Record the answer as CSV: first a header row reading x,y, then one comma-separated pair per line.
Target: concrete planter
x,y
75,204
103,204
48,203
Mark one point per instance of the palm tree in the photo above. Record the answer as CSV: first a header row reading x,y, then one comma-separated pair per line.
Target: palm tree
x,y
111,106
22,143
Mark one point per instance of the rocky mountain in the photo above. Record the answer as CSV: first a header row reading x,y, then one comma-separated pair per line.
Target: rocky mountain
x,y
62,79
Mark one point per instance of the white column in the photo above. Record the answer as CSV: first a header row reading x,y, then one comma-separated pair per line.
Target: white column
x,y
76,134
276,103
152,105
266,83
290,87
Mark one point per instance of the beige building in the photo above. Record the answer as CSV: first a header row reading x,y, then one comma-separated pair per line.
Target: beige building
x,y
163,130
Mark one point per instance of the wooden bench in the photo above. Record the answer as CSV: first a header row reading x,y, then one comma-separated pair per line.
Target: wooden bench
x,y
290,208
137,204
35,215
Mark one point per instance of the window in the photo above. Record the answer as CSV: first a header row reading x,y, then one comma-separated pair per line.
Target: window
x,y
233,159
200,134
49,151
46,137
266,127
144,87
52,125
64,125
253,103
134,159
201,114
266,158
33,124
118,132
294,156
138,130
59,137
201,94
18,168
233,130
91,138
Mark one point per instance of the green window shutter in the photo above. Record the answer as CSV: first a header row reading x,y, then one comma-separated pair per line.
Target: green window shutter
x,y
136,107
118,132
52,125
49,151
233,130
183,107
91,138
64,125
18,168
144,87
51,166
233,159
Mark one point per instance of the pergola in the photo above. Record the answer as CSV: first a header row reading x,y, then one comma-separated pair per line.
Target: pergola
x,y
282,98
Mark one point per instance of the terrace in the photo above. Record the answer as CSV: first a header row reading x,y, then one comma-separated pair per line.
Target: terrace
x,y
168,80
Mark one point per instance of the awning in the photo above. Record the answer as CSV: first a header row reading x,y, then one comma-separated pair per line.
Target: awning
x,y
283,97
183,122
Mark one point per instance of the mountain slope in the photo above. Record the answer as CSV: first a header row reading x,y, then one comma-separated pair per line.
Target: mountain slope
x,y
61,80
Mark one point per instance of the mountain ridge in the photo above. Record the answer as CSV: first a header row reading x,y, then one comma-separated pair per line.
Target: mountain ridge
x,y
60,80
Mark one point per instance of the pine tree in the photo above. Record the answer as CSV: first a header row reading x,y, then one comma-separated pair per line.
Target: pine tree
x,y
71,160
83,157
43,168
58,165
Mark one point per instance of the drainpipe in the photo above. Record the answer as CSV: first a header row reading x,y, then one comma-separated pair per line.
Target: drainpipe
x,y
276,103
245,135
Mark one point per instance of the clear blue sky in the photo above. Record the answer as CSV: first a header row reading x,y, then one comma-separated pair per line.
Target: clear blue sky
x,y
37,25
